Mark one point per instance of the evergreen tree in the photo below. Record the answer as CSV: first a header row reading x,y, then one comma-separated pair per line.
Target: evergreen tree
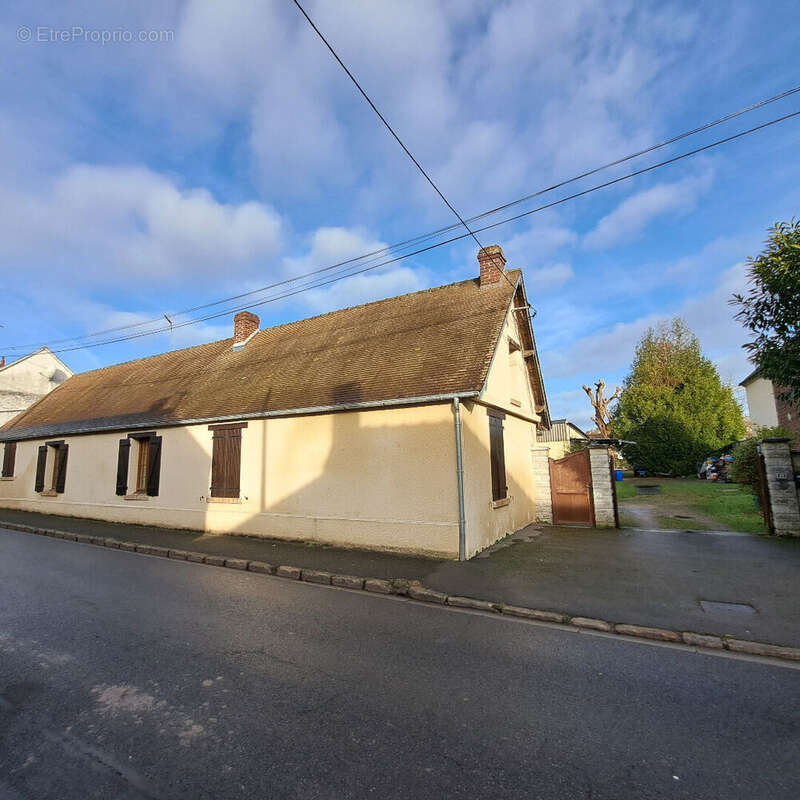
x,y
674,405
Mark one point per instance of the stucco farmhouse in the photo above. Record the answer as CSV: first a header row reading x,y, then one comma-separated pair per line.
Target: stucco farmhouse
x,y
405,424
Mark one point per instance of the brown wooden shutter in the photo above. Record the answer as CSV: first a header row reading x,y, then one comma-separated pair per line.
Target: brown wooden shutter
x,y
123,459
9,457
61,474
498,458
154,466
41,463
226,461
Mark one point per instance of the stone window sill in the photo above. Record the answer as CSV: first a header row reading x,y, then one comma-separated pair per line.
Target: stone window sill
x,y
223,499
7,478
48,493
500,503
137,496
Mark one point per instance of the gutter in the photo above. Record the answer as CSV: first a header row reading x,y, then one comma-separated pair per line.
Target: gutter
x,y
462,522
46,432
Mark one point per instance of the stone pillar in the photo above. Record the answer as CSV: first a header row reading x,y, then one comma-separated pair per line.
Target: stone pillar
x,y
783,501
540,457
602,488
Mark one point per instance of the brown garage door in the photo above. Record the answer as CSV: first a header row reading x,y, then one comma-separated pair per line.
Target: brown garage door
x,y
571,488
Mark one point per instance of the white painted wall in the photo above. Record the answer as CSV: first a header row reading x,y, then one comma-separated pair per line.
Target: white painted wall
x,y
761,403
24,381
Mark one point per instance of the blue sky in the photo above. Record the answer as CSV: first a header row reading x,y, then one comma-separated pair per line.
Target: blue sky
x,y
144,178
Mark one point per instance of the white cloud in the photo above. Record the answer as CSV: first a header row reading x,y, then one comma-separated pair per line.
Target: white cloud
x,y
636,212
121,224
549,277
329,246
544,237
365,288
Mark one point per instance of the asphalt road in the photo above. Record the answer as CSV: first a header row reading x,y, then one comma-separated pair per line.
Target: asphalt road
x,y
124,676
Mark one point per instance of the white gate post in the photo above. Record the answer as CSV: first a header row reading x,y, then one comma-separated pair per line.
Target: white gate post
x,y
540,463
602,487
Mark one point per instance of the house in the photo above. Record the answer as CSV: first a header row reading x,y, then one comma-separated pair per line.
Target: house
x,y
405,424
26,380
560,437
766,408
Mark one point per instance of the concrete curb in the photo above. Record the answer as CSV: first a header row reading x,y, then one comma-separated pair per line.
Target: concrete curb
x,y
416,591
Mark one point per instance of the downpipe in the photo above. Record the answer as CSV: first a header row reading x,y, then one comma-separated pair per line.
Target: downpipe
x,y
462,522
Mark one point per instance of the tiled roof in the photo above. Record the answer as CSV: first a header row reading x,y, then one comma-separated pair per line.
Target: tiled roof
x,y
433,342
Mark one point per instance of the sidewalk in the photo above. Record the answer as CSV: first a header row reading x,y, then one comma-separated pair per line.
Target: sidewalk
x,y
629,576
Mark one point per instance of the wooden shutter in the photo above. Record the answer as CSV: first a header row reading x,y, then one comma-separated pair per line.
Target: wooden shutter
x,y
122,466
61,464
9,457
226,461
154,466
498,458
41,463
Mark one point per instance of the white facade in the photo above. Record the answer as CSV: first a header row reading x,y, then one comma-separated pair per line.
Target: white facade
x,y
761,403
24,381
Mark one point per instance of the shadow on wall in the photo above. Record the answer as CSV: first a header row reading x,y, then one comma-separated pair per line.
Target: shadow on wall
x,y
382,479
379,479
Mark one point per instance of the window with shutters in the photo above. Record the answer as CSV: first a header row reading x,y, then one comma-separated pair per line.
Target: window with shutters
x,y
146,458
142,465
226,460
497,456
9,458
51,468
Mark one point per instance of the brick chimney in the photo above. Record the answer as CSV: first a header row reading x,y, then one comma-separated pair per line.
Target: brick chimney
x,y
245,325
492,263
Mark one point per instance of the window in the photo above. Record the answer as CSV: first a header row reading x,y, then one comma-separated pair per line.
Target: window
x,y
226,460
142,465
51,468
147,477
9,457
497,455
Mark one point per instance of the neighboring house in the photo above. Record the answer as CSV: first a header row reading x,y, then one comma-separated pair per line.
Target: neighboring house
x,y
766,409
26,380
560,437
405,424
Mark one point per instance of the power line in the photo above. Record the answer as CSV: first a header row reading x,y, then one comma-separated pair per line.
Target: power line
x,y
452,239
396,137
426,236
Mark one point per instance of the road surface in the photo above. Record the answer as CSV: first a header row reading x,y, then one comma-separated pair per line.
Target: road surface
x,y
125,676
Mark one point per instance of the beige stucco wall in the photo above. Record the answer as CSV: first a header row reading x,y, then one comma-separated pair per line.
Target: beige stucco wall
x,y
485,523
23,382
381,479
507,388
761,403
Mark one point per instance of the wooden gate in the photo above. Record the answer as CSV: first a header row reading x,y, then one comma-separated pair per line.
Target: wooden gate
x,y
571,489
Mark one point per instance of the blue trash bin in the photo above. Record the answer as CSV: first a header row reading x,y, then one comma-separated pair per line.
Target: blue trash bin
x,y
618,475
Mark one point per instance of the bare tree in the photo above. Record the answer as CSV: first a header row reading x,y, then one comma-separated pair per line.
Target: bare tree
x,y
600,405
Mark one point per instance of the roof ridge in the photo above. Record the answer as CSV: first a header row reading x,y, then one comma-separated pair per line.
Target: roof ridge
x,y
378,302
293,322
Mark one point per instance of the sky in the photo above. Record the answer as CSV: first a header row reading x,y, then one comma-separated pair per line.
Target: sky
x,y
210,149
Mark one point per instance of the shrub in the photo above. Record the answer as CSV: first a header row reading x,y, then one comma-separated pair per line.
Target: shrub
x,y
745,457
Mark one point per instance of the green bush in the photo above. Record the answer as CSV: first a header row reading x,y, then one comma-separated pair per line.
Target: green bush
x,y
745,457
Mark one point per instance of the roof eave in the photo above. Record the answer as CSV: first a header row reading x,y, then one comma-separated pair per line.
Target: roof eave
x,y
34,433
